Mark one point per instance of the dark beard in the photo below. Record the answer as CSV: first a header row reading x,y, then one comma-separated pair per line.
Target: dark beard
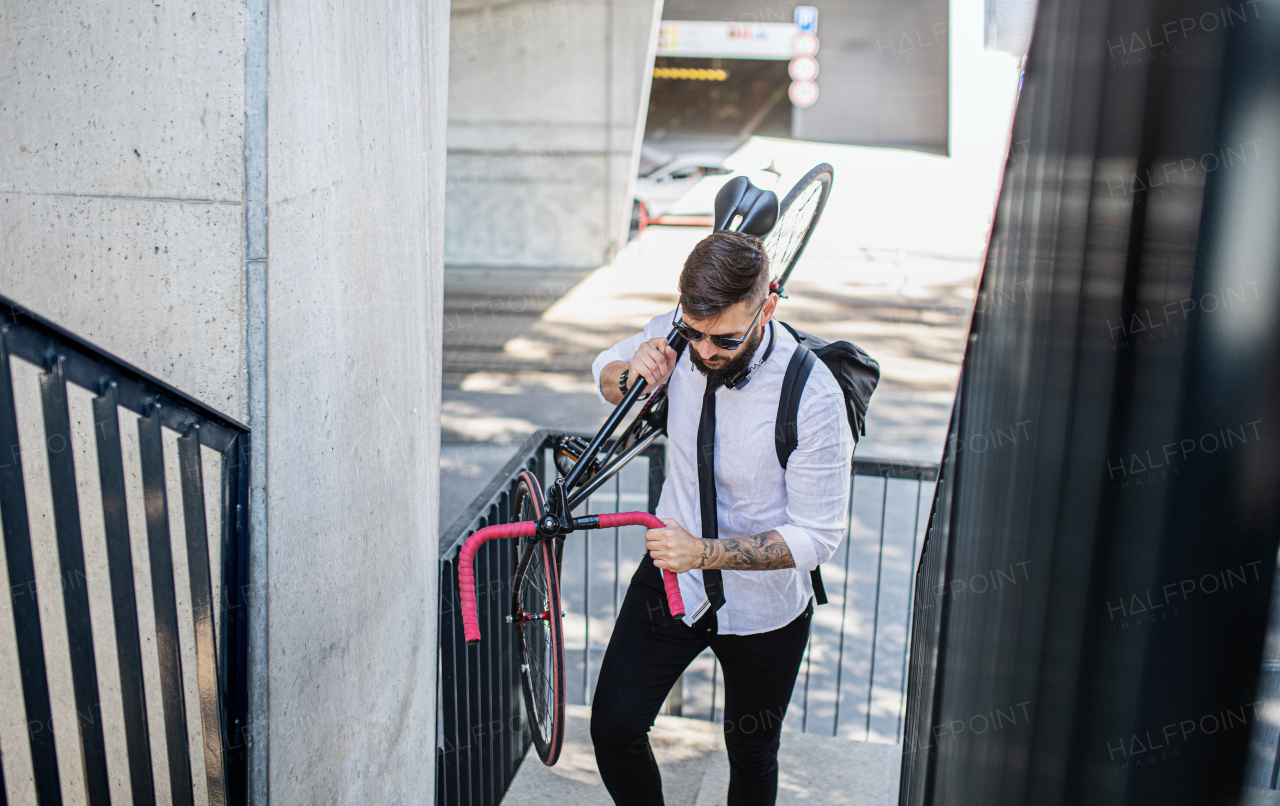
x,y
732,369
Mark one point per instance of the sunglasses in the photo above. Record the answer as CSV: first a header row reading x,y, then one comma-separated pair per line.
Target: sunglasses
x,y
723,342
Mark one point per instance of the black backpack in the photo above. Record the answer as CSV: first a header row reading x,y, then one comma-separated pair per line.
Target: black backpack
x,y
857,374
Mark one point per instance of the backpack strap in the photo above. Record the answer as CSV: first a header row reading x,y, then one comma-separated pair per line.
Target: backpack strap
x,y
819,592
785,431
786,428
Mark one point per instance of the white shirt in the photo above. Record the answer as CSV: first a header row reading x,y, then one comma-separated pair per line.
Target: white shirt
x,y
806,505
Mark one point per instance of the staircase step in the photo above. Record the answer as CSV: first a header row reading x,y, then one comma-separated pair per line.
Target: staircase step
x,y
814,770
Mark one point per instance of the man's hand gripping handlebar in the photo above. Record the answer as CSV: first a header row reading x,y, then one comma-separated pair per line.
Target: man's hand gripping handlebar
x,y
467,556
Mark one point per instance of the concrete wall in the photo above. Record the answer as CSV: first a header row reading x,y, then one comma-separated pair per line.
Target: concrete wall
x,y
546,103
353,333
883,67
121,182
883,76
143,150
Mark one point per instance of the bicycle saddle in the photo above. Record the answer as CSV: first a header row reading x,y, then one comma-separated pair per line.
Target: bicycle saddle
x,y
758,208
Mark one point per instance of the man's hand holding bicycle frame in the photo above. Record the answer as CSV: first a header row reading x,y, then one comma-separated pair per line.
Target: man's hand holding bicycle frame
x,y
654,361
672,547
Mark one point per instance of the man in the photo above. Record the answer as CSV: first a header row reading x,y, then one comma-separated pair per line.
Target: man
x,y
742,533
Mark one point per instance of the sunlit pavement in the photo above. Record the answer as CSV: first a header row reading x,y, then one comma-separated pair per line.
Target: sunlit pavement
x,y
813,770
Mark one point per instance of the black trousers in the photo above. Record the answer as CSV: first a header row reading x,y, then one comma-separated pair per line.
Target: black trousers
x,y
648,652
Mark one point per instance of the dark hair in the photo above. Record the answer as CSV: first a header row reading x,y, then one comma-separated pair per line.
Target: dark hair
x,y
724,269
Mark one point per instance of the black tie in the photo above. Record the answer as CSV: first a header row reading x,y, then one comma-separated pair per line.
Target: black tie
x,y
711,578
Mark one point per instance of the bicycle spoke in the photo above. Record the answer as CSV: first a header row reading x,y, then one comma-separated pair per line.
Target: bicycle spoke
x,y
784,241
540,649
535,605
800,212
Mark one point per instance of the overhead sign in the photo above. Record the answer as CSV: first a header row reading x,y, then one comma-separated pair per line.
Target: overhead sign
x,y
726,40
804,45
803,68
803,93
807,19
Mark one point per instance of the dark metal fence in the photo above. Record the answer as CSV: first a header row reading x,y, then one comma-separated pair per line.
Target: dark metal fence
x,y
926,639
852,680
107,670
1129,315
852,683
481,733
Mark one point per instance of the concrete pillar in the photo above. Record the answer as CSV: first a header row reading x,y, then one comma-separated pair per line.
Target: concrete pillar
x,y
546,109
353,299
245,199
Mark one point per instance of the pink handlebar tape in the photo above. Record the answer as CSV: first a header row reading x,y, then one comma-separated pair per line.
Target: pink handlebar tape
x,y
467,556
612,519
467,570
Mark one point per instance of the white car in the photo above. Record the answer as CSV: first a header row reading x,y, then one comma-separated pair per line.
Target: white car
x,y
700,201
661,188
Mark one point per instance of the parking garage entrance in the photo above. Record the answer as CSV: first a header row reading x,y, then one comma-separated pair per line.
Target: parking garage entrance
x,y
697,100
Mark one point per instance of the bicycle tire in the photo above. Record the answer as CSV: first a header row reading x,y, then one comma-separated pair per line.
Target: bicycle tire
x,y
798,216
537,591
527,504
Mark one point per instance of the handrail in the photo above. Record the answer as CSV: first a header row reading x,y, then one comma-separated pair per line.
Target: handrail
x,y
126,399
82,366
895,468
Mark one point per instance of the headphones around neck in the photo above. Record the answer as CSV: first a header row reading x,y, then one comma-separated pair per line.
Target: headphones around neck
x,y
741,381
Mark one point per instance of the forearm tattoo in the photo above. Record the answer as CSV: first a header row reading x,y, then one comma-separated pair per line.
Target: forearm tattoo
x,y
762,552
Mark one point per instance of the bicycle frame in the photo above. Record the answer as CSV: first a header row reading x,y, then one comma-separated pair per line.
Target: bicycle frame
x,y
557,519
571,498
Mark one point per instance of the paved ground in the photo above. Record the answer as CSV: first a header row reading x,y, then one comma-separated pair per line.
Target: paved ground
x,y
815,771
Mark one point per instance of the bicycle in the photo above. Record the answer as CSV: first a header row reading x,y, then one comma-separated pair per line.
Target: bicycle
x,y
544,522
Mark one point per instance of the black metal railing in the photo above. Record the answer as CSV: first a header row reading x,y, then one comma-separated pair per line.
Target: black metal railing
x,y
80,497
929,605
853,680
481,733
903,487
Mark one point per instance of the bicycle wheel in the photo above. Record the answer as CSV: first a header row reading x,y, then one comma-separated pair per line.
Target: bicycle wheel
x,y
799,215
527,504
535,610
